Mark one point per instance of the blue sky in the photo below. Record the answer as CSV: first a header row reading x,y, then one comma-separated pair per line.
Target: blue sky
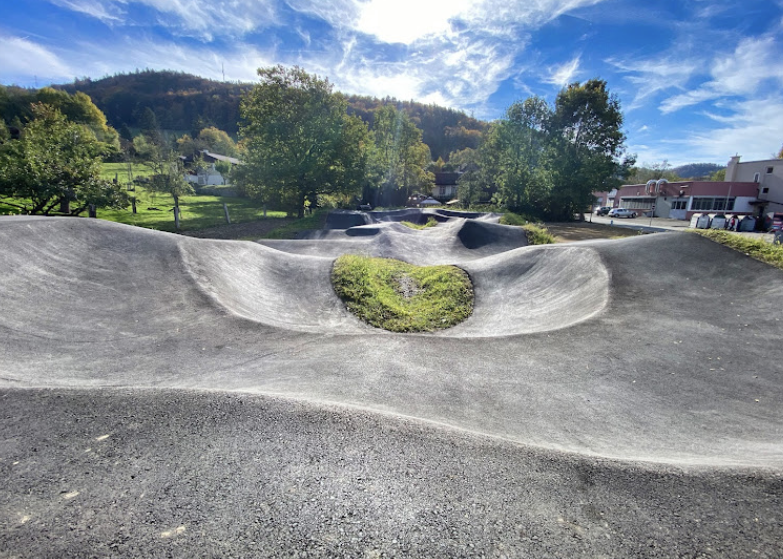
x,y
698,80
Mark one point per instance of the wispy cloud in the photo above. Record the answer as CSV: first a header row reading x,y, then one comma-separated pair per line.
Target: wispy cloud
x,y
753,130
108,12
753,62
651,76
563,74
19,55
203,20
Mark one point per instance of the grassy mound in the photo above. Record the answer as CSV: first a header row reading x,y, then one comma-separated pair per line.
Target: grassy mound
x,y
401,297
431,222
537,234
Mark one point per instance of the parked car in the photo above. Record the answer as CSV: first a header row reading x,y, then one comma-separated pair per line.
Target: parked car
x,y
603,210
622,212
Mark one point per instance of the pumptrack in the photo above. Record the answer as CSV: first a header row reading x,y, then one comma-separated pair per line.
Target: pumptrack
x,y
161,394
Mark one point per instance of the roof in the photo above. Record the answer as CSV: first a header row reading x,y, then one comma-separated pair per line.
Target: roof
x,y
225,158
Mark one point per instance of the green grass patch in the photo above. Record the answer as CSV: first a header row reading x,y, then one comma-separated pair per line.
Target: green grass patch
x,y
431,222
753,247
110,171
288,231
155,211
510,218
538,234
401,297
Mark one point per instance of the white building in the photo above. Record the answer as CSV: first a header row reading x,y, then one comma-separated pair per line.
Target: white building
x,y
768,174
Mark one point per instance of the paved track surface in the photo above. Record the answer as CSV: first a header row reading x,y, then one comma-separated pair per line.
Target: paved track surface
x,y
168,396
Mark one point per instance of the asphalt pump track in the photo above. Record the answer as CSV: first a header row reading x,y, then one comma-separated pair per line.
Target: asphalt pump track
x,y
168,396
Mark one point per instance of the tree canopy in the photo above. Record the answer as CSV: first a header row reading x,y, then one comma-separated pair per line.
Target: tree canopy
x,y
299,141
549,160
398,159
16,106
55,161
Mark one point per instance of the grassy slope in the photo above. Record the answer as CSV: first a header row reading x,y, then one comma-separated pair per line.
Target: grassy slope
x,y
537,234
154,211
373,288
431,222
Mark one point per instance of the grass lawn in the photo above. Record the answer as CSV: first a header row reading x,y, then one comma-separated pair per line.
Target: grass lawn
x,y
120,170
155,211
401,297
196,212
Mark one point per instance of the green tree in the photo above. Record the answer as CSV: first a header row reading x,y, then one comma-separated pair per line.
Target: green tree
x,y
299,141
640,175
217,141
55,162
718,176
515,153
167,168
399,159
587,146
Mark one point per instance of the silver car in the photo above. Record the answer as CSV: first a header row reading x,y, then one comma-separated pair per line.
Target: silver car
x,y
622,212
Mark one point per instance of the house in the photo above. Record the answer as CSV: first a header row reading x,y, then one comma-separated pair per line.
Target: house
x,y
445,186
205,177
209,157
767,175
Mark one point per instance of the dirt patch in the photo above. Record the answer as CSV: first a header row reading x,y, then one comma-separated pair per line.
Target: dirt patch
x,y
585,231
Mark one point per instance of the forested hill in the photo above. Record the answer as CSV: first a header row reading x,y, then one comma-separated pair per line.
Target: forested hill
x,y
187,103
697,170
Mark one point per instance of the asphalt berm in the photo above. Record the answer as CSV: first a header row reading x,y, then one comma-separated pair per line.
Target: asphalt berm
x,y
165,396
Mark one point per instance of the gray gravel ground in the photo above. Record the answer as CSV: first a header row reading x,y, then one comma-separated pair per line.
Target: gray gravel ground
x,y
162,396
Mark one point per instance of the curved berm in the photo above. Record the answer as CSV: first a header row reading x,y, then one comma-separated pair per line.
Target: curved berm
x,y
163,395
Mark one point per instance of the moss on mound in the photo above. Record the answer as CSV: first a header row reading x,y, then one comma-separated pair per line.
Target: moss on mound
x,y
401,297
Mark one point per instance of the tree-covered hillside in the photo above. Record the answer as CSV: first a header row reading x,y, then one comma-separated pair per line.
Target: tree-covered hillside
x,y
188,103
697,170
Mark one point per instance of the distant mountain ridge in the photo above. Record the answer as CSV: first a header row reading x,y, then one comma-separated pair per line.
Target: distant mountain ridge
x,y
697,170
188,103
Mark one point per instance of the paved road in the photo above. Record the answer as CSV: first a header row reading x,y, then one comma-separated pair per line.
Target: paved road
x,y
658,224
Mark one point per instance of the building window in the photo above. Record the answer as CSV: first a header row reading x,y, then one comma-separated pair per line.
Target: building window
x,y
765,190
679,204
757,177
769,170
716,204
637,203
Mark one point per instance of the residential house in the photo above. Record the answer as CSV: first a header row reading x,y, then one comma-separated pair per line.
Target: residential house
x,y
445,186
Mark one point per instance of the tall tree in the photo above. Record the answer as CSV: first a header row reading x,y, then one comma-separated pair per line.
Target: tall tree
x,y
295,131
587,140
515,153
55,162
399,158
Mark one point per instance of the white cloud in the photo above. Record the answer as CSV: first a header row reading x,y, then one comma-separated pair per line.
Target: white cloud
x,y
107,12
564,74
753,62
652,76
204,20
755,130
20,56
406,21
